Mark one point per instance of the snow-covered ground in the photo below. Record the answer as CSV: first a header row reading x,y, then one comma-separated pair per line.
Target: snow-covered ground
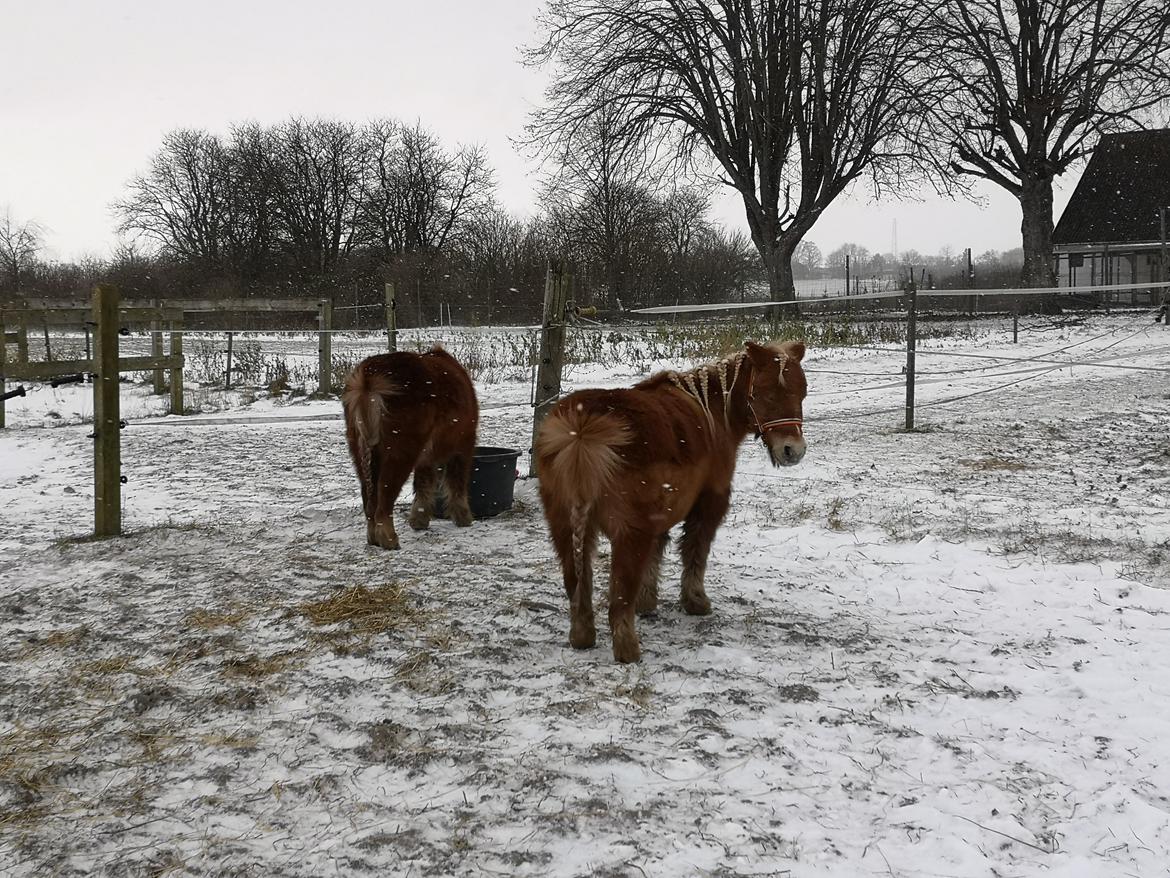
x,y
932,653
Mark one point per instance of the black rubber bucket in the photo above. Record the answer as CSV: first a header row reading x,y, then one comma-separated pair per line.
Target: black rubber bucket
x,y
493,479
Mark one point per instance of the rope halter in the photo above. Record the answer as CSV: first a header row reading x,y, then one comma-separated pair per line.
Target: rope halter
x,y
798,423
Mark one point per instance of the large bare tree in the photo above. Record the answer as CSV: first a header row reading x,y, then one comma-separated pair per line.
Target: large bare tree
x,y
792,100
317,186
181,202
1036,82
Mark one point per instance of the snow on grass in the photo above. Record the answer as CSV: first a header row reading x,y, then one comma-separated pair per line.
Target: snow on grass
x,y
932,653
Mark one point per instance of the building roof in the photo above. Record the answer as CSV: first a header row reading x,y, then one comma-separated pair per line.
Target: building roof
x,y
1118,196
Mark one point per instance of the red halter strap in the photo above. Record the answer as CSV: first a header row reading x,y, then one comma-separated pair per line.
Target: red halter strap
x,y
764,427
784,422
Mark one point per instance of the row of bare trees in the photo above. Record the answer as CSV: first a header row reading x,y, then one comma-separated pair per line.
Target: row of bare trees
x,y
300,197
327,207
791,102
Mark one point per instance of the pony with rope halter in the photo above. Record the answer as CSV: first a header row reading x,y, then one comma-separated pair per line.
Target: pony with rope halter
x,y
631,463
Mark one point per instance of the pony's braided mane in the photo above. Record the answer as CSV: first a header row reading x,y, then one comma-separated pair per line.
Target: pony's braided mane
x,y
697,382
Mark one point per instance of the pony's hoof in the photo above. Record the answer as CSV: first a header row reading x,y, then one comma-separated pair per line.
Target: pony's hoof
x,y
387,542
647,606
462,519
419,521
583,636
627,650
696,606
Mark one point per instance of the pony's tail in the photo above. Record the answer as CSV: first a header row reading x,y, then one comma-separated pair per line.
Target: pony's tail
x,y
364,405
577,461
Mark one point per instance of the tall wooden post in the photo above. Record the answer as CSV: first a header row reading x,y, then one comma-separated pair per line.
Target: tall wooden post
x,y
324,346
156,351
911,338
1165,265
176,327
391,319
22,341
107,447
552,349
3,367
227,372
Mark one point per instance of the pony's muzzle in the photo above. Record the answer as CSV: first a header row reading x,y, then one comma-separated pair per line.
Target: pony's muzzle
x,y
786,450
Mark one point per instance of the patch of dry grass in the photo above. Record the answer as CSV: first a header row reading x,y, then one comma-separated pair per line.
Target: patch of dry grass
x,y
367,611
420,673
254,667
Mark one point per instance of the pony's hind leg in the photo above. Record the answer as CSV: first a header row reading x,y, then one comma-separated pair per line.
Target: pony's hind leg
x,y
575,550
391,473
424,497
632,551
457,478
648,593
698,532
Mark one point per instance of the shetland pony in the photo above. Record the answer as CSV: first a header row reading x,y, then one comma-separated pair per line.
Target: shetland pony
x,y
410,412
632,463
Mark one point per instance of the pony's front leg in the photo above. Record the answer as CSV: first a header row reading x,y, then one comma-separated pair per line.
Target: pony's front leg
x,y
424,497
698,533
632,551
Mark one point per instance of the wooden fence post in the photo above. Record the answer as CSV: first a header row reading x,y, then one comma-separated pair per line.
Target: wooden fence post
x,y
324,346
176,328
911,333
391,319
3,368
156,351
227,372
552,350
22,341
107,448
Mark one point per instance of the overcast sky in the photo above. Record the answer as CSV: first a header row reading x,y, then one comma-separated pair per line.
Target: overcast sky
x,y
89,88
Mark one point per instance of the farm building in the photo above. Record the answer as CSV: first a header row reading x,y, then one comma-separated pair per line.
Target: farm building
x,y
1111,231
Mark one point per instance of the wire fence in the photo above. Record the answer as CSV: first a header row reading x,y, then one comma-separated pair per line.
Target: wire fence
x,y
281,360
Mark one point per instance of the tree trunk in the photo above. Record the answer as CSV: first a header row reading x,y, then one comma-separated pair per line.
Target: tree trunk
x,y
1036,230
778,263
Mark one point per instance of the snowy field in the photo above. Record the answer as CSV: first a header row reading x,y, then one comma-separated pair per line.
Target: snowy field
x,y
940,653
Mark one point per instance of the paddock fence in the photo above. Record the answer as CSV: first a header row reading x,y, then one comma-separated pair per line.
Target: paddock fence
x,y
101,341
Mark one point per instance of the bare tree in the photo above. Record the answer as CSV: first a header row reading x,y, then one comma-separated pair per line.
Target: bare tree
x,y
181,202
859,257
808,257
317,184
684,218
418,196
1037,81
793,100
599,202
19,245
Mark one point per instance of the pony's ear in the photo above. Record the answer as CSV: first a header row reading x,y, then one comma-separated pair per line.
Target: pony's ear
x,y
760,355
794,349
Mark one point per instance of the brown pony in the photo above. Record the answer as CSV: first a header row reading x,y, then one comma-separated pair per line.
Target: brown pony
x,y
633,463
404,412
